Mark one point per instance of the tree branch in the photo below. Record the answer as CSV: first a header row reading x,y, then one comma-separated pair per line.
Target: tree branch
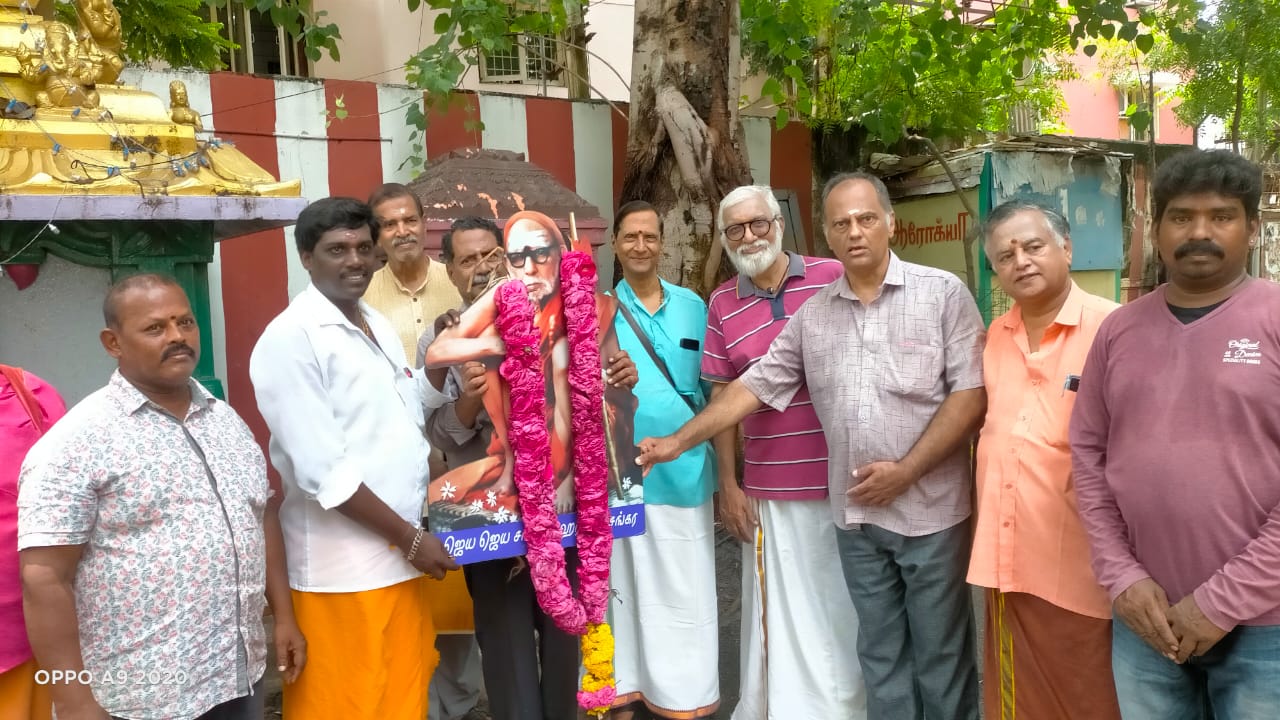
x,y
565,68
691,144
625,83
967,241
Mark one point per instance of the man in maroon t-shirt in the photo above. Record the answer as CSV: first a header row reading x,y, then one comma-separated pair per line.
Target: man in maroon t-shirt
x,y
1175,442
781,512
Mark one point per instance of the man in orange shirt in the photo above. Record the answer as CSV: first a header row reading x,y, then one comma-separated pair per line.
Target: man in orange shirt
x,y
1048,620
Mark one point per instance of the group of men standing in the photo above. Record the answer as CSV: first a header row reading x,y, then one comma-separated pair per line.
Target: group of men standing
x,y
1127,469
1127,504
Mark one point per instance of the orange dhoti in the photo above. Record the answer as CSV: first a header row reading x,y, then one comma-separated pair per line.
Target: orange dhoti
x,y
21,698
450,605
370,654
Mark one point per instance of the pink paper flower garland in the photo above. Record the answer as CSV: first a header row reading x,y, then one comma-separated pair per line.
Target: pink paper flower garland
x,y
535,478
590,469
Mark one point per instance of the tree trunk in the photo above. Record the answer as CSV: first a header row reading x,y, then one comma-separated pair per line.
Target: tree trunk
x,y
685,144
576,52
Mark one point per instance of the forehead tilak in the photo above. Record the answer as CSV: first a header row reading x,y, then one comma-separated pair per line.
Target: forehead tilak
x,y
345,236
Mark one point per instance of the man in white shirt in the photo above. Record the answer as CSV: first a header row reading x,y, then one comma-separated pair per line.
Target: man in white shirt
x,y
346,418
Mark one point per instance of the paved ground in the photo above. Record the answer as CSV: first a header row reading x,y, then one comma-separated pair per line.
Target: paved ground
x,y
729,590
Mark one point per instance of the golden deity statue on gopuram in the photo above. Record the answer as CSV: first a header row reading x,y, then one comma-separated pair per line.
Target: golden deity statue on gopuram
x,y
67,126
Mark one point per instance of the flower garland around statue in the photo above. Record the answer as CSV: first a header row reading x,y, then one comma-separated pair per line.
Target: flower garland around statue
x,y
522,369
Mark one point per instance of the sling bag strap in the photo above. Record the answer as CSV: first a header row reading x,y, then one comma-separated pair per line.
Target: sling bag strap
x,y
653,355
25,397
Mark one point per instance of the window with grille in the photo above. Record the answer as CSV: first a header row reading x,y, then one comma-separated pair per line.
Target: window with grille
x,y
532,58
1136,95
264,47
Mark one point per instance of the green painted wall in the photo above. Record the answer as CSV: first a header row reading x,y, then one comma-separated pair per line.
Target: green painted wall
x,y
180,249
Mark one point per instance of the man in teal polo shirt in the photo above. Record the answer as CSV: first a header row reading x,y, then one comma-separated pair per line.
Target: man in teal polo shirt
x,y
664,612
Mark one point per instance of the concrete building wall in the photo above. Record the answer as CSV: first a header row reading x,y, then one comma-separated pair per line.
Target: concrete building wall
x,y
1093,106
51,328
378,36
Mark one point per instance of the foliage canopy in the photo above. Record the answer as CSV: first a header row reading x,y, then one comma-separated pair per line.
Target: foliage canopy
x,y
1230,60
944,68
182,33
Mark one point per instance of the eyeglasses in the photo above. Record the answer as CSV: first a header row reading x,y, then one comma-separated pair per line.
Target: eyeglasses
x,y
759,228
539,255
471,261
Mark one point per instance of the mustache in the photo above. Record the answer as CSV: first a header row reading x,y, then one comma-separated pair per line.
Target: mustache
x,y
175,350
1198,246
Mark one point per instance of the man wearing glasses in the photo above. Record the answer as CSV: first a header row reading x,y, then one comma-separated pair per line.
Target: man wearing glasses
x,y
528,240
798,625
471,255
892,356
527,661
534,247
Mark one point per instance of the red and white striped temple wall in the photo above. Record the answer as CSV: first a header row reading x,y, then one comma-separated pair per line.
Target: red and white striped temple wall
x,y
287,127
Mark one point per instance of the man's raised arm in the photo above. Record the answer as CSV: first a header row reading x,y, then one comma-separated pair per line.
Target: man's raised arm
x,y
772,381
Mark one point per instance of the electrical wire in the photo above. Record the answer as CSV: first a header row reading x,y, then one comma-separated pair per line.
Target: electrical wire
x,y
40,232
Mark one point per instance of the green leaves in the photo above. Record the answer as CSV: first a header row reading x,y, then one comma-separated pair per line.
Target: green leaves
x,y
1139,119
1230,60
466,28
339,111
943,67
181,33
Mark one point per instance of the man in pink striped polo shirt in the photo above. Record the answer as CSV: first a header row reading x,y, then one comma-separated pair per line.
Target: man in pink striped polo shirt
x,y
798,654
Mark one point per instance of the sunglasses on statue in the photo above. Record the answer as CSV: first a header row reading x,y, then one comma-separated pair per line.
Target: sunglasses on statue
x,y
539,255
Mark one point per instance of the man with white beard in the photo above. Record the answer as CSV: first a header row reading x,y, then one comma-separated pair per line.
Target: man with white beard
x,y
799,628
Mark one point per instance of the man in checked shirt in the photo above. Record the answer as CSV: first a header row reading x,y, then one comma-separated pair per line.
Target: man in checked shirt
x,y
892,357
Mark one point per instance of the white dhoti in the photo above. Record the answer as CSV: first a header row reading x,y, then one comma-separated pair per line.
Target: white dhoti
x,y
664,613
799,629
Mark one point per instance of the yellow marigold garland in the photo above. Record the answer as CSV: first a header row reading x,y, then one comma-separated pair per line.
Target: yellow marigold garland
x,y
597,659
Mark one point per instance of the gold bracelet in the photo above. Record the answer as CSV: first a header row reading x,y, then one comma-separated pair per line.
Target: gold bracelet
x,y
413,550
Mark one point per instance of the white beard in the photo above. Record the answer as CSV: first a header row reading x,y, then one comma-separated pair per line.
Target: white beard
x,y
753,264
